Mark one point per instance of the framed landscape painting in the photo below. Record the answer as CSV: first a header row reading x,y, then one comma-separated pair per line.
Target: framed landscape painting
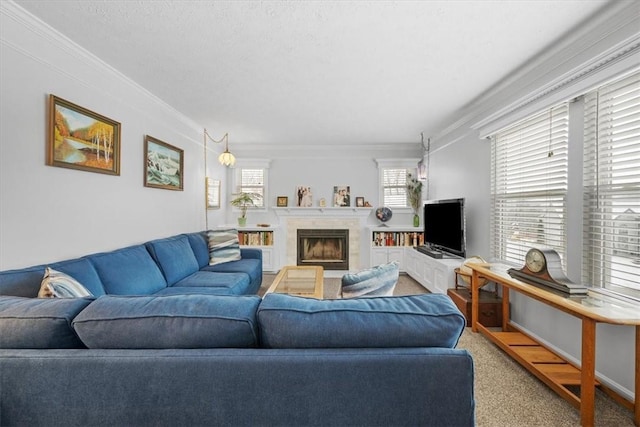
x,y
163,165
81,139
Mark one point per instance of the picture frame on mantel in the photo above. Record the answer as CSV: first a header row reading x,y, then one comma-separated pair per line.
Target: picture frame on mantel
x,y
282,201
359,202
341,196
304,197
163,165
81,139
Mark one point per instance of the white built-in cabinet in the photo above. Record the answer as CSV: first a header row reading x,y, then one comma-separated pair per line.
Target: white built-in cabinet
x,y
436,275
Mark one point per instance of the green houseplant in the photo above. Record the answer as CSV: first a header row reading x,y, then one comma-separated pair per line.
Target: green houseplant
x,y
243,201
414,196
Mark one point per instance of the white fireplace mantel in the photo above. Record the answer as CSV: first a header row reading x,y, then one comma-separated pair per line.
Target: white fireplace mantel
x,y
323,212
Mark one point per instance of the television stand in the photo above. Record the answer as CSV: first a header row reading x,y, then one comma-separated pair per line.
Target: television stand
x,y
430,252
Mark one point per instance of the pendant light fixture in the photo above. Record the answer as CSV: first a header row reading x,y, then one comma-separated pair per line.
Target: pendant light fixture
x,y
422,164
226,158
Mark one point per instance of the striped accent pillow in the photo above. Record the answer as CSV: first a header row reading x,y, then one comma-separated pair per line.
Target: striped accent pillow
x,y
56,284
377,281
223,246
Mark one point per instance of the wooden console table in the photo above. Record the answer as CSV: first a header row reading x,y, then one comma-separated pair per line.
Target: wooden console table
x,y
547,366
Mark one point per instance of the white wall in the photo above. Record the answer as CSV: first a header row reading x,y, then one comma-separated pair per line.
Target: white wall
x,y
50,213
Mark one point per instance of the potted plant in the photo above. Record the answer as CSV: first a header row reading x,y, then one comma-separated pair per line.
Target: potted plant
x,y
242,201
414,195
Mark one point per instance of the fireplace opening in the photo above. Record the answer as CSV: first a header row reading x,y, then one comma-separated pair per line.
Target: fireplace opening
x,y
326,248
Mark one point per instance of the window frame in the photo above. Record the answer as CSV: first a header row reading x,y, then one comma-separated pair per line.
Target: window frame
x,y
410,166
236,181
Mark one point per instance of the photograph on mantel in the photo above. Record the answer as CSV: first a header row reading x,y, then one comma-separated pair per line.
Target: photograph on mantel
x,y
341,196
304,197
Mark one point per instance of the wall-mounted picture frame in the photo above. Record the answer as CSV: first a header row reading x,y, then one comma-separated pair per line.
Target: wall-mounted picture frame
x,y
282,201
360,202
163,165
81,139
341,196
212,193
304,197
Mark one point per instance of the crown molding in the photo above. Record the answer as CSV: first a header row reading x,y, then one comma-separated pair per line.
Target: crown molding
x,y
609,40
51,36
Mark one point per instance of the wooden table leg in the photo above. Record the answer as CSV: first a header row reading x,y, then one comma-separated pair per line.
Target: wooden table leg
x,y
506,315
475,296
637,392
588,373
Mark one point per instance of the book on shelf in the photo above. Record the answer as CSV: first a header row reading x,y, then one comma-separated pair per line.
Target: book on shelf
x,y
255,238
397,238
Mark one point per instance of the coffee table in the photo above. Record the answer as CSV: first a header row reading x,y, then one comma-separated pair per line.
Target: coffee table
x,y
300,280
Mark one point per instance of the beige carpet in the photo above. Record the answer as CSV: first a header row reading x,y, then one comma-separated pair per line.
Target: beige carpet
x,y
506,394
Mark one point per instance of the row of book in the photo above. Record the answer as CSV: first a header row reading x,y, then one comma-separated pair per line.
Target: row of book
x,y
255,238
397,238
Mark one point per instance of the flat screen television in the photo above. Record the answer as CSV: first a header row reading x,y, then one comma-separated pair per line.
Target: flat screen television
x,y
444,226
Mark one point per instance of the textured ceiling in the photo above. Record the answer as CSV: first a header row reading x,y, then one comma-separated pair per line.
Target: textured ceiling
x,y
315,72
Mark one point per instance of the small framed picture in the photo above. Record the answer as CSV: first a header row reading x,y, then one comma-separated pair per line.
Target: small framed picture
x,y
213,193
341,196
81,139
282,201
304,197
360,202
163,165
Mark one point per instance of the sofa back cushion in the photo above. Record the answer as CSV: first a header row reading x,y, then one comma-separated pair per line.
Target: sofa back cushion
x,y
428,320
174,256
39,322
200,246
26,282
128,271
173,321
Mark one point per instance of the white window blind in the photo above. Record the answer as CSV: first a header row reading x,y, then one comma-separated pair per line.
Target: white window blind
x,y
612,186
529,185
394,187
252,181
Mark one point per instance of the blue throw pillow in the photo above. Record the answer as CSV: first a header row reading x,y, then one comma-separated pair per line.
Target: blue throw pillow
x,y
39,322
172,321
428,320
377,281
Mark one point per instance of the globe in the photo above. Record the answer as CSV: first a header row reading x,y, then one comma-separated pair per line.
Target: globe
x,y
384,214
464,268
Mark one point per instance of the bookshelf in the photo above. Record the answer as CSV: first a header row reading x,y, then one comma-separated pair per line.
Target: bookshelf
x,y
389,243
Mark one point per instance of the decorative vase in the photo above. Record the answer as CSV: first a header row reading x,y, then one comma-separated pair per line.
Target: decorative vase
x,y
242,221
416,220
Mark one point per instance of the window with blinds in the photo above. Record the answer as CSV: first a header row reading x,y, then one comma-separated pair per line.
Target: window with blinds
x,y
529,171
394,187
252,181
612,187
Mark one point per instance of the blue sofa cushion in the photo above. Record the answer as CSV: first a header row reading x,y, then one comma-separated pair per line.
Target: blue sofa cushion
x,y
174,256
200,247
129,271
83,271
376,281
40,323
234,283
223,246
250,266
56,284
173,321
26,282
427,320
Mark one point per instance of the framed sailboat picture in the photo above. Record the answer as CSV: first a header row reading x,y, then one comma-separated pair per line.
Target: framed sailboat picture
x,y
163,165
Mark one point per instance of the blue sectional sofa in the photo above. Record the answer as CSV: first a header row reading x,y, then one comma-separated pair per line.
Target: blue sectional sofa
x,y
141,353
168,266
